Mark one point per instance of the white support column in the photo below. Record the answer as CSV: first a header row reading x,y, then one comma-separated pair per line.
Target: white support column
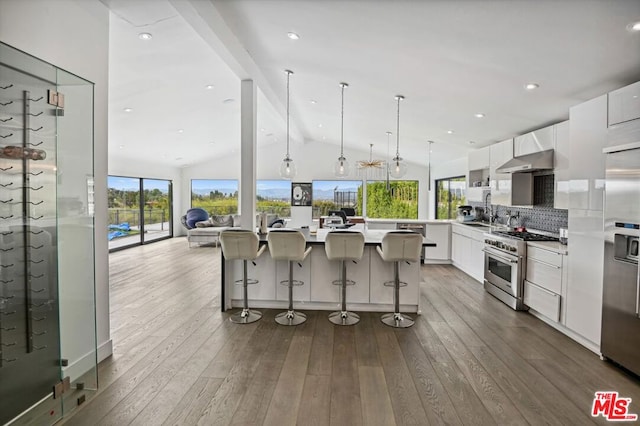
x,y
248,144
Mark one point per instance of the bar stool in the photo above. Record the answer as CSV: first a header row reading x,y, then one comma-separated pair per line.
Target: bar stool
x,y
344,246
289,245
399,246
240,244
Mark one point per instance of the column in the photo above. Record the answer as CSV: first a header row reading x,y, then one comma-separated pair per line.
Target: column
x,y
248,144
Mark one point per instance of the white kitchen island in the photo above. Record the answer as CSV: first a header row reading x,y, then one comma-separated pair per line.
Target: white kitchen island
x,y
317,272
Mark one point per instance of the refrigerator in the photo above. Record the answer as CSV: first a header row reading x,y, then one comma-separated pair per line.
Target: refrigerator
x,y
620,340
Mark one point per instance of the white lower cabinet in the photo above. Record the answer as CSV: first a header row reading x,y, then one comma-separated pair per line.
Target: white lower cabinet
x,y
441,235
466,250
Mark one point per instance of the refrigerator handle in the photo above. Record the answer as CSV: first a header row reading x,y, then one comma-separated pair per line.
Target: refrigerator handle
x,y
638,294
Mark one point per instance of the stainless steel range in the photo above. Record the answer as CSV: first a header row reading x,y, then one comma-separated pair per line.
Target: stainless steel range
x,y
505,254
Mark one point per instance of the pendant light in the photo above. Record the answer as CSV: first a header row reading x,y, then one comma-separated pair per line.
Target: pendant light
x,y
398,167
341,168
287,167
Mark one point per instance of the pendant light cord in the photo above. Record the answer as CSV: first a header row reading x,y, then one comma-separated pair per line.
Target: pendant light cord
x,y
398,98
288,77
342,122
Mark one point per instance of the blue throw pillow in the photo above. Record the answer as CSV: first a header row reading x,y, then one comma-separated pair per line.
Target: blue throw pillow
x,y
196,215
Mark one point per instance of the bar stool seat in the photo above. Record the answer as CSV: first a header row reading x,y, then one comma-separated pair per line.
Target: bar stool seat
x,y
289,245
239,244
344,246
399,246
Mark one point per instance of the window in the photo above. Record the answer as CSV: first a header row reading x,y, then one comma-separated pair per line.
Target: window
x,y
393,199
274,196
216,196
450,193
335,194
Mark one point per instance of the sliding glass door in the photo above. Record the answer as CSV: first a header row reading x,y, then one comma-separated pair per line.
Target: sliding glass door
x,y
156,218
139,211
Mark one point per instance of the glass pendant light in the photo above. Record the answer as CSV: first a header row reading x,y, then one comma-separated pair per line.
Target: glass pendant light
x,y
341,168
287,167
398,168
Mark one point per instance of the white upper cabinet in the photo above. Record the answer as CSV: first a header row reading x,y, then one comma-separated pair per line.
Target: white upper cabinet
x,y
479,158
561,166
500,183
624,104
536,141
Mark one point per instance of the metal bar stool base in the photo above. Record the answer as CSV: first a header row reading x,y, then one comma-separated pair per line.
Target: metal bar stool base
x,y
290,318
344,318
245,316
397,320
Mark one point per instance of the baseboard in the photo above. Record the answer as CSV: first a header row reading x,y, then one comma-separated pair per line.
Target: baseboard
x,y
105,350
436,262
567,332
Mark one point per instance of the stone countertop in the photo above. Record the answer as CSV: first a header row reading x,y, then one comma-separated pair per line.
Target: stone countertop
x,y
371,237
550,245
417,221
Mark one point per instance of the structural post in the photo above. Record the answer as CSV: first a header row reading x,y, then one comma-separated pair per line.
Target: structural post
x,y
248,152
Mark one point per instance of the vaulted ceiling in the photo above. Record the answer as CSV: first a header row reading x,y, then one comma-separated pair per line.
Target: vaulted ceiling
x,y
450,59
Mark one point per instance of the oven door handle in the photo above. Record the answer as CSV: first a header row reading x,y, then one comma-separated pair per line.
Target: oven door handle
x,y
505,259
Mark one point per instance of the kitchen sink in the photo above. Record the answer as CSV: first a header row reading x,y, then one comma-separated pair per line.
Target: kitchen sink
x,y
476,224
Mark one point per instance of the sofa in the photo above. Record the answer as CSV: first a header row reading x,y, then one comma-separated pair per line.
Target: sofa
x,y
205,229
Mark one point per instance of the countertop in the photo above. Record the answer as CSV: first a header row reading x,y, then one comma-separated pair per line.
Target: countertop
x,y
427,221
371,237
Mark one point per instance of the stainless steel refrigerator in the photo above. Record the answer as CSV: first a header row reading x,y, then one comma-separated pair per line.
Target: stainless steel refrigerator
x,y
621,296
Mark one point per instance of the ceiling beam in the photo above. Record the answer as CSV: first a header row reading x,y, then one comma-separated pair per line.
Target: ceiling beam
x,y
207,21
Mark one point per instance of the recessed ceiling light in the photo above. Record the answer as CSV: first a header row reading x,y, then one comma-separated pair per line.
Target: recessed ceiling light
x,y
121,146
180,130
324,137
269,135
450,132
262,130
228,101
128,109
209,86
145,36
178,158
319,125
635,26
531,86
478,115
313,101
293,36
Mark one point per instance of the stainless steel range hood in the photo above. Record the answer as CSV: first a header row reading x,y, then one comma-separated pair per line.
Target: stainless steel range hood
x,y
542,160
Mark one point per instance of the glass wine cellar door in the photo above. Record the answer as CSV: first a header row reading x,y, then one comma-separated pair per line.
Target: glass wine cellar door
x,y
48,354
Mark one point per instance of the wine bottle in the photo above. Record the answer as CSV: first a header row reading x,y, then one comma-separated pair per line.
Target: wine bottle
x,y
19,153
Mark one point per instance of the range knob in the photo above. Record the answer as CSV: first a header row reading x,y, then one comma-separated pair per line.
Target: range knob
x,y
512,248
500,245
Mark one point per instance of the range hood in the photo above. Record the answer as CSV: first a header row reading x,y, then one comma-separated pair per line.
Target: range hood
x,y
542,160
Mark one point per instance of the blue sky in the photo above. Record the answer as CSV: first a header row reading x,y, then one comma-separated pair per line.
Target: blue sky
x,y
133,184
343,185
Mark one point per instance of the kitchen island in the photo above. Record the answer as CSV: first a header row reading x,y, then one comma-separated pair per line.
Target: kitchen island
x,y
317,272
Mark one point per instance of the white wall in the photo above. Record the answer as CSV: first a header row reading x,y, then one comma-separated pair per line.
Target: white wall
x,y
314,161
453,168
74,35
138,168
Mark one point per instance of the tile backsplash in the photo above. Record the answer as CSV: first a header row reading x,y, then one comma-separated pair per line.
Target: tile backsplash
x,y
542,218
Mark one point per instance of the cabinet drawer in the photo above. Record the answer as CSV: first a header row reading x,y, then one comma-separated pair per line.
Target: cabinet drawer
x,y
544,274
541,300
545,256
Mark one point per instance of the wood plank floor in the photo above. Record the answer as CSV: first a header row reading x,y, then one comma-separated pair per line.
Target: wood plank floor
x,y
468,360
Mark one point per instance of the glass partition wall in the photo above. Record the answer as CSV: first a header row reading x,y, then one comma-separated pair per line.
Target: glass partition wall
x,y
47,280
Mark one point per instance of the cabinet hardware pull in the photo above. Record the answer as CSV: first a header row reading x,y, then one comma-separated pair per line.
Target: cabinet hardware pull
x,y
36,100
5,120
544,263
6,87
5,104
6,136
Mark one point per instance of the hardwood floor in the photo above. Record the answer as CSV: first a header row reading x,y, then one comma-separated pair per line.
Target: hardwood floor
x,y
468,360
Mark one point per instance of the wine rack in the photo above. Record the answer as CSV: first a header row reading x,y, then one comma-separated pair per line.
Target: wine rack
x,y
27,253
